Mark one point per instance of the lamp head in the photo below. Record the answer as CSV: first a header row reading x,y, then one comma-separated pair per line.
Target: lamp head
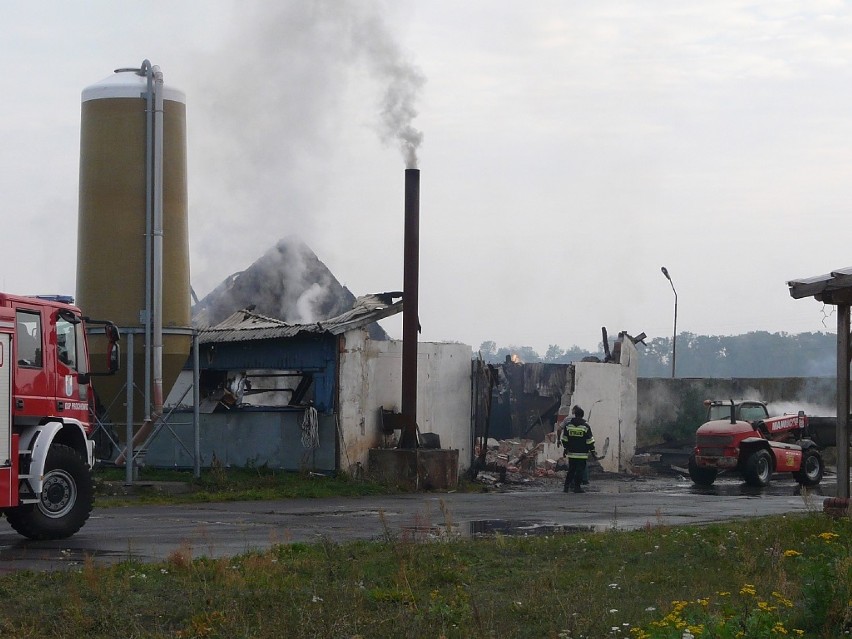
x,y
666,273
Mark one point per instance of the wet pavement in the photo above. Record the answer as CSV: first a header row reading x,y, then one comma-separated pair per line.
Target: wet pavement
x,y
534,507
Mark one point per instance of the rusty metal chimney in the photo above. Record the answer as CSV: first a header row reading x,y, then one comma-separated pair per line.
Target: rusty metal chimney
x,y
410,319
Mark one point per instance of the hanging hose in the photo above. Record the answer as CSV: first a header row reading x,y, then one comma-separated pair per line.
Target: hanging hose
x,y
310,428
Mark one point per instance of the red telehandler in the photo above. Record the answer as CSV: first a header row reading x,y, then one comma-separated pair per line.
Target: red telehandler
x,y
742,437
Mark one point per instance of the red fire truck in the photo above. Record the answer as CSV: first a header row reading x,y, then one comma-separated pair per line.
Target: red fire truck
x,y
742,437
46,402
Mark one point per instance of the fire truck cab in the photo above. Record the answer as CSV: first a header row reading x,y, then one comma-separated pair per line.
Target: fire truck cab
x,y
46,450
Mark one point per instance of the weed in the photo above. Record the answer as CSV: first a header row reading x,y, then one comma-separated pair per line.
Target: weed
x,y
448,518
218,476
181,557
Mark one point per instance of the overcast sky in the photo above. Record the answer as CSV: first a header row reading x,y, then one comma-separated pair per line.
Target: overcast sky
x,y
570,149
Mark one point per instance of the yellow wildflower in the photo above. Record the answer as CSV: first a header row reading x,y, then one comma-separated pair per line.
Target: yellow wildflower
x,y
791,553
748,589
828,536
782,599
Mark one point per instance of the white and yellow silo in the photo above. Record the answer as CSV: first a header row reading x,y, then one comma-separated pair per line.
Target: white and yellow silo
x,y
133,240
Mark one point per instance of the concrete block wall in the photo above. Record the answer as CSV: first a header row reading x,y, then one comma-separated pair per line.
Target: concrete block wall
x,y
370,377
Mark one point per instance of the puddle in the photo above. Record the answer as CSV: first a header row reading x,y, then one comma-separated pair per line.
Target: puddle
x,y
333,513
485,528
33,556
16,552
777,489
517,527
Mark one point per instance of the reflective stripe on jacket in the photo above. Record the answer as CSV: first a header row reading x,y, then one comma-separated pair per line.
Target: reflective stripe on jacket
x,y
577,438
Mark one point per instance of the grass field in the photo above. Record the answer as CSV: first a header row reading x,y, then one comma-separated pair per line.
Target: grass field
x,y
768,577
225,484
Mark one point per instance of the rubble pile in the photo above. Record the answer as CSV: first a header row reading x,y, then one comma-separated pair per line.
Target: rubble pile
x,y
523,456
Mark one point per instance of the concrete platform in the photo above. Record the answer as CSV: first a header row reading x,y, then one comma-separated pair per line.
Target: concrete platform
x,y
415,469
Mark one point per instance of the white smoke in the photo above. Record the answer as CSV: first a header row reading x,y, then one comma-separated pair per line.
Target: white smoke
x,y
299,288
793,408
266,108
308,301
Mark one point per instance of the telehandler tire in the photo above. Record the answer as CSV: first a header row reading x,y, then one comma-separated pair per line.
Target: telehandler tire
x,y
812,468
758,468
701,476
65,501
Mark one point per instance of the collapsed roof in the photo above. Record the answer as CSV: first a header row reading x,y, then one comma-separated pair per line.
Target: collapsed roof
x,y
288,283
247,325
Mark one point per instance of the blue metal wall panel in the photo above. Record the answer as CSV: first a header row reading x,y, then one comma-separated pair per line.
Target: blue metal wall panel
x,y
245,438
310,353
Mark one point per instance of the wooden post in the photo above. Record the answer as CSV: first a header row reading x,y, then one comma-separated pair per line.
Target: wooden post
x,y
843,327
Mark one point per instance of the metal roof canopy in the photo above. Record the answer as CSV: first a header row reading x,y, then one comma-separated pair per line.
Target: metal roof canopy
x,y
835,289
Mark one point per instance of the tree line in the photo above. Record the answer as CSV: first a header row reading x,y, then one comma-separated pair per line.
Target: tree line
x,y
754,354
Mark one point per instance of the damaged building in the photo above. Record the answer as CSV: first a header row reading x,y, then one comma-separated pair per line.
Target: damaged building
x,y
517,408
295,373
312,396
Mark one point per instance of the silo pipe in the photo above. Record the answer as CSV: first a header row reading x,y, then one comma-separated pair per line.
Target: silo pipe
x,y
148,71
158,245
153,258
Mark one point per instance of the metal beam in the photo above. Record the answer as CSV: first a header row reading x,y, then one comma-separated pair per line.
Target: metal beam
x,y
410,317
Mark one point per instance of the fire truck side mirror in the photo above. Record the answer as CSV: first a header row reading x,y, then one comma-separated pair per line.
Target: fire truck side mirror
x,y
113,358
113,350
112,333
68,316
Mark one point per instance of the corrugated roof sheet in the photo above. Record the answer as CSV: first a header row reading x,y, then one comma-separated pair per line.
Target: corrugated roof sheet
x,y
821,285
247,326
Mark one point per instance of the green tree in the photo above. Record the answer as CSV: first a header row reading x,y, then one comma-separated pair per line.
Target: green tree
x,y
488,350
554,353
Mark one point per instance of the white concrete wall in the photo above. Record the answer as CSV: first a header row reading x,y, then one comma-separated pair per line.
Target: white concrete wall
x,y
629,417
597,389
371,377
608,395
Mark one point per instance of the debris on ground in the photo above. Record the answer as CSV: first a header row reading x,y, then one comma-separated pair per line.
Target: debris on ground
x,y
522,462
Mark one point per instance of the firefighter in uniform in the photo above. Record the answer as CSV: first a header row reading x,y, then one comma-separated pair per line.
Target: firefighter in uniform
x,y
578,442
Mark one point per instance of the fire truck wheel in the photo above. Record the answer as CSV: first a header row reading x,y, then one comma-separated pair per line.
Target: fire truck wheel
x,y
810,472
701,476
758,468
66,500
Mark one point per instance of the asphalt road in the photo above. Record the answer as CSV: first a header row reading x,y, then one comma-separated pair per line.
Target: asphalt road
x,y
151,533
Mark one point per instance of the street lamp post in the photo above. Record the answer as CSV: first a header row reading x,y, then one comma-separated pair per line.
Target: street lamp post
x,y
674,332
